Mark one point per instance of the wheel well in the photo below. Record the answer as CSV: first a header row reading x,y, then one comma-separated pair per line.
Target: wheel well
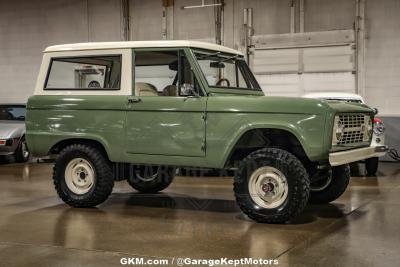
x,y
57,148
255,139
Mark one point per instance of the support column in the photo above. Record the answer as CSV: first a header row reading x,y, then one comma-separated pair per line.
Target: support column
x,y
168,20
360,47
125,15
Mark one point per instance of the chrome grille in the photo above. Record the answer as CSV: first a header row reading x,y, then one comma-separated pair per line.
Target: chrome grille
x,y
354,128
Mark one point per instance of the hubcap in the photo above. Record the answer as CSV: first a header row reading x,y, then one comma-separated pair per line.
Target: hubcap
x,y
268,187
79,176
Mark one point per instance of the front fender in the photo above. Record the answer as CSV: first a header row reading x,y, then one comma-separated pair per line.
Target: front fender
x,y
224,131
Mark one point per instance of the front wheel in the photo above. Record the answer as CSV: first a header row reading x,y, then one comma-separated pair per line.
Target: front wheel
x,y
332,186
151,179
271,186
82,176
22,153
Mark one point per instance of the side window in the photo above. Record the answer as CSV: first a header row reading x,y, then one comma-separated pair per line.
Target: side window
x,y
164,73
87,73
189,85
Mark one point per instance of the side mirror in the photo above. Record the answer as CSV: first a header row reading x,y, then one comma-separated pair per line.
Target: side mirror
x,y
375,110
187,90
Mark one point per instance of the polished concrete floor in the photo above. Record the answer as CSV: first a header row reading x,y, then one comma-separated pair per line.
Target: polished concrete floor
x,y
196,217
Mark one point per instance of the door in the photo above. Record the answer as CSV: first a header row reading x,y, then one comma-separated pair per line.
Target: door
x,y
166,114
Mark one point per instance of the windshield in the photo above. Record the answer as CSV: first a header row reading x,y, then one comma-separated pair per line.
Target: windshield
x,y
226,71
12,112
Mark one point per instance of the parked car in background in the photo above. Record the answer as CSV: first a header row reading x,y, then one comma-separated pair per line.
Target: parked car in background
x,y
378,139
12,132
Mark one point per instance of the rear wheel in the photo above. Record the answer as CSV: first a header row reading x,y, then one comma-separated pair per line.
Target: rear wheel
x,y
22,153
371,165
151,179
271,186
332,186
82,176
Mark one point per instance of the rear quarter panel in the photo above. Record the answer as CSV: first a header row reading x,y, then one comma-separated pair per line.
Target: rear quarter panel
x,y
51,119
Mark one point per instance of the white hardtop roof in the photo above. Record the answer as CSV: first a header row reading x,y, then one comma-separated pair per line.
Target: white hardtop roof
x,y
140,44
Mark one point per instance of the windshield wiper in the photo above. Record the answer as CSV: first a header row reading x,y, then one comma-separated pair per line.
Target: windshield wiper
x,y
229,58
208,55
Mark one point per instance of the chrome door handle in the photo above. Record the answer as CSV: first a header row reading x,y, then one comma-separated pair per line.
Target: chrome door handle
x,y
134,100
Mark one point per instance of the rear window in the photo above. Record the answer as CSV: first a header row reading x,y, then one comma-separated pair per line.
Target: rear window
x,y
85,73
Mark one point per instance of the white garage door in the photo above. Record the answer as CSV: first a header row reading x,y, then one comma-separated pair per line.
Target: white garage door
x,y
296,70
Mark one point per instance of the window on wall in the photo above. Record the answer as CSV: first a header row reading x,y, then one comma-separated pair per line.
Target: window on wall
x,y
164,73
85,73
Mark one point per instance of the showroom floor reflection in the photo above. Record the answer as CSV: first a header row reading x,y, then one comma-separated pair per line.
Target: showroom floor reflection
x,y
196,217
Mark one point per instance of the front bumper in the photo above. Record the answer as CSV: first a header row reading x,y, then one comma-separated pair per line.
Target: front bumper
x,y
353,155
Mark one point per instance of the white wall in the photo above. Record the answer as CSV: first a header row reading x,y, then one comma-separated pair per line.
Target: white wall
x,y
327,15
146,20
27,27
382,57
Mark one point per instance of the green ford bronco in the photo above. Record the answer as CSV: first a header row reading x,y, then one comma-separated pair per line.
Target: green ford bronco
x,y
157,105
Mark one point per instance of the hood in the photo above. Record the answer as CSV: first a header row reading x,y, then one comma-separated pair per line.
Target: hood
x,y
268,104
275,104
11,129
343,107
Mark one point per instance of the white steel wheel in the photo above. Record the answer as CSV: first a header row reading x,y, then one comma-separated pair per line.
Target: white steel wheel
x,y
321,185
79,176
268,187
147,173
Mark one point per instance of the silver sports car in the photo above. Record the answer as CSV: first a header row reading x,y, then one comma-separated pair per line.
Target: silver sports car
x,y
12,132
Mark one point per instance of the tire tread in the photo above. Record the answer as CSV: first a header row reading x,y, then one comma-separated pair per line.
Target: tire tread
x,y
104,176
301,187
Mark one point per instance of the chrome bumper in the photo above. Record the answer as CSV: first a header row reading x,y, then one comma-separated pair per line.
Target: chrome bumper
x,y
9,149
343,157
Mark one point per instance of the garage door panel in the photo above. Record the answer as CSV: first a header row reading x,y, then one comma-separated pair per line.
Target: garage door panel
x,y
280,84
266,61
328,82
295,71
297,85
326,59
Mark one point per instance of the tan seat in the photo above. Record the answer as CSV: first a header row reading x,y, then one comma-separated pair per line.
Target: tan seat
x,y
170,90
145,89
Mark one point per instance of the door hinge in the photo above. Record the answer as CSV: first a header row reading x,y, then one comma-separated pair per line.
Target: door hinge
x,y
204,117
203,145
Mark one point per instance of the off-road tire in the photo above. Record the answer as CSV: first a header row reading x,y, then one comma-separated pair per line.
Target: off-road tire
x,y
339,182
19,155
103,183
371,166
297,179
163,179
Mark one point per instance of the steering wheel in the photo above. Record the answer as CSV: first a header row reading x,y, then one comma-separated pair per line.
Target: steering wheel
x,y
228,83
